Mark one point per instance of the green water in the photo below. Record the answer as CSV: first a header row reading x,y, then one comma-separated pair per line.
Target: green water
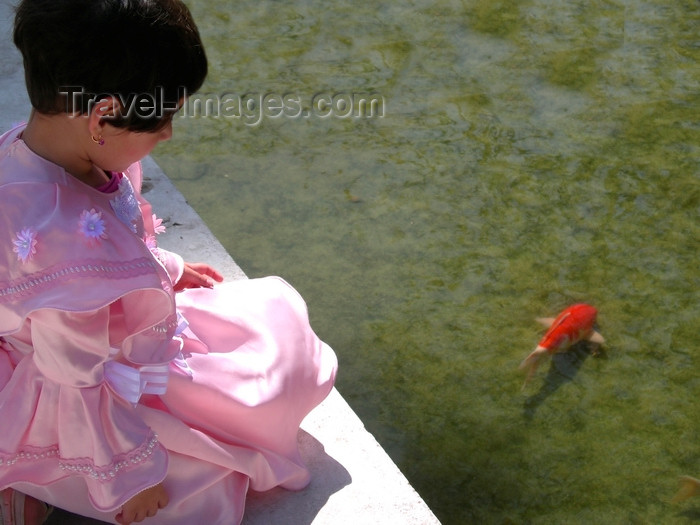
x,y
527,155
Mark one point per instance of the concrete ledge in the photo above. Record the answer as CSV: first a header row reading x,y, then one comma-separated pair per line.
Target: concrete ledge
x,y
353,480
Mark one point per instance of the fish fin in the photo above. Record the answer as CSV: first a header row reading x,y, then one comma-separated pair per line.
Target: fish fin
x,y
689,487
595,337
547,321
531,362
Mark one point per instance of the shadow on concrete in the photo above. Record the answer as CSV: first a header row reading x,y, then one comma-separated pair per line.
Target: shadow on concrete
x,y
283,507
63,517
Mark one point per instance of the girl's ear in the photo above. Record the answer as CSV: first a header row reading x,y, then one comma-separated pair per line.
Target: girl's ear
x,y
102,112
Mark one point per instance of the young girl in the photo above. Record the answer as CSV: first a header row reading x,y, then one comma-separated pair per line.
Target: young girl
x,y
131,385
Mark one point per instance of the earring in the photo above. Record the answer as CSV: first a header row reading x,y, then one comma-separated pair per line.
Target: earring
x,y
99,140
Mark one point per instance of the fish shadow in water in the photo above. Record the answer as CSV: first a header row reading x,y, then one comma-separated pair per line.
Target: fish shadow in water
x,y
562,369
691,514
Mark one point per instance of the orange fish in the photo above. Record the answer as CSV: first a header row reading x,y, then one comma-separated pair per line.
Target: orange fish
x,y
576,323
689,487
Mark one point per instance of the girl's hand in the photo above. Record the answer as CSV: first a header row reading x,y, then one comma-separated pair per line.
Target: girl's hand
x,y
198,275
144,505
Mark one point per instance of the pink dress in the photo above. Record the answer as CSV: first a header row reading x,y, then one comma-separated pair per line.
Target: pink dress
x,y
110,382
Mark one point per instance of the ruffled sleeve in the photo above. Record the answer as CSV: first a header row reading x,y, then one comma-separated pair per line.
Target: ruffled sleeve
x,y
173,263
66,418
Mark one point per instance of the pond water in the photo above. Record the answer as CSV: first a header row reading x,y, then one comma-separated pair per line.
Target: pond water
x,y
514,157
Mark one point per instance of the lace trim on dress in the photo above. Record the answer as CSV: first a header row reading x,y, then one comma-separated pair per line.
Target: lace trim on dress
x,y
85,466
35,282
28,454
168,326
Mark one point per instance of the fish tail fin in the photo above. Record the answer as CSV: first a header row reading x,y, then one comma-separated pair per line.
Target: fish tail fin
x,y
531,362
689,487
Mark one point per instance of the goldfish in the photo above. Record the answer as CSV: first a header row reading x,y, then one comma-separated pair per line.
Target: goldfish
x,y
689,487
575,323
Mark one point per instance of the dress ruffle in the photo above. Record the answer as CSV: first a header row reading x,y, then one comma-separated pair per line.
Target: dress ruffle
x,y
60,430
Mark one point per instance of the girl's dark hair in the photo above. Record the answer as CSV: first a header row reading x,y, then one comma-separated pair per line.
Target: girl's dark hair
x,y
147,53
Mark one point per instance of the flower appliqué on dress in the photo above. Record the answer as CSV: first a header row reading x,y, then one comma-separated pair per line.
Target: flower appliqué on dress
x,y
158,227
125,205
25,244
92,226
